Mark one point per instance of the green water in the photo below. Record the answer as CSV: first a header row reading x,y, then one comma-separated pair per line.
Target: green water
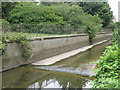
x,y
68,73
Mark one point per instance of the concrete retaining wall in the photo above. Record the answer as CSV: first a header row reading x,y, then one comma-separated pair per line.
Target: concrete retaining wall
x,y
48,47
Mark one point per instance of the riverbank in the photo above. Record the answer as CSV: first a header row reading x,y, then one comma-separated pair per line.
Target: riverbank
x,y
58,75
46,48
54,59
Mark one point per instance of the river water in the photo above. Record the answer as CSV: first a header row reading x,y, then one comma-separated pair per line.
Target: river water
x,y
72,72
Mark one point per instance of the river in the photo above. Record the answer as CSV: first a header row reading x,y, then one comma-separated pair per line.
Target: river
x,y
72,72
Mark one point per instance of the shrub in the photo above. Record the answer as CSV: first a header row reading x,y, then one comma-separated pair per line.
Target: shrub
x,y
60,18
109,65
93,25
109,69
5,25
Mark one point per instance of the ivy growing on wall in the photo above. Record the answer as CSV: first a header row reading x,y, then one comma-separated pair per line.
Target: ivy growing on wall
x,y
23,42
3,45
20,39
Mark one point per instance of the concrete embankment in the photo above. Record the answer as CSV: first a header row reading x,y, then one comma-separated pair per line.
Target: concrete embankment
x,y
45,48
65,55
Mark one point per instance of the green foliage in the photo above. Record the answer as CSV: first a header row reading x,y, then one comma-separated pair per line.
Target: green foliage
x,y
3,44
109,69
109,66
6,8
72,14
20,39
30,35
32,18
116,36
23,42
5,25
62,18
93,25
119,36
29,12
112,25
102,9
47,29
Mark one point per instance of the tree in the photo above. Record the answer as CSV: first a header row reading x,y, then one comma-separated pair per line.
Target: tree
x,y
58,15
29,12
6,8
93,25
5,25
71,13
102,9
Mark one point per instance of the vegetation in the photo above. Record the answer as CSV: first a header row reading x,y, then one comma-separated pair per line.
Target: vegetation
x,y
109,65
52,18
109,69
25,19
60,13
19,38
5,25
6,8
101,9
47,29
3,44
23,42
30,35
62,18
93,25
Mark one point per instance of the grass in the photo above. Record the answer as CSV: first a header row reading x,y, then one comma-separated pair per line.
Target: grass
x,y
29,35
13,35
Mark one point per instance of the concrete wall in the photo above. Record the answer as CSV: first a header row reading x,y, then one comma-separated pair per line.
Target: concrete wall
x,y
48,47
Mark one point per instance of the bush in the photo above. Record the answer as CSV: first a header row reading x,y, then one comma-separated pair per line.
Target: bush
x,y
60,18
93,25
47,29
30,13
109,69
109,65
5,25
116,36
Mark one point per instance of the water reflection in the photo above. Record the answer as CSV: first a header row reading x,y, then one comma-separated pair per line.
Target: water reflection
x,y
26,77
61,80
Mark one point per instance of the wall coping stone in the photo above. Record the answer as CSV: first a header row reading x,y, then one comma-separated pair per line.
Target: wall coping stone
x,y
56,37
